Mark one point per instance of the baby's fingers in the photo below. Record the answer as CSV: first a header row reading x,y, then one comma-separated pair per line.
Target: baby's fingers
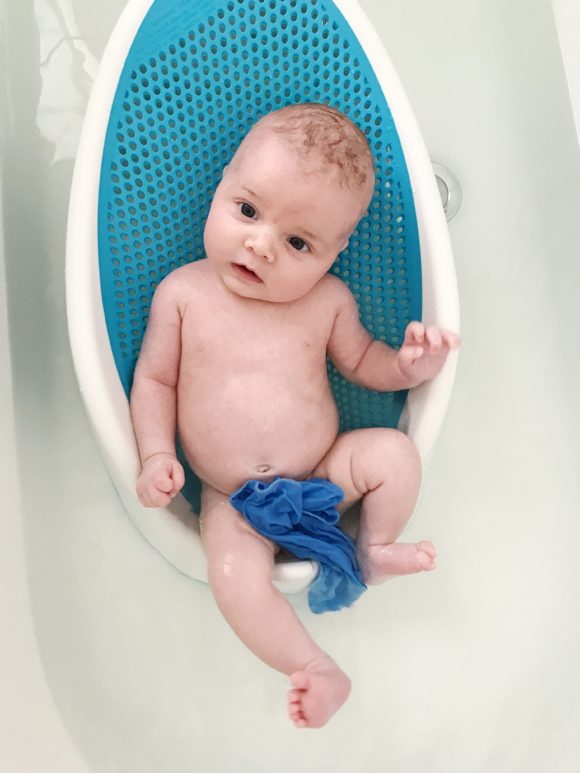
x,y
433,340
159,498
170,479
150,496
178,478
408,355
162,479
452,340
414,334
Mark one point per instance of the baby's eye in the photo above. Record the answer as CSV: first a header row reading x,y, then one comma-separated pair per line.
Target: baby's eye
x,y
298,244
247,210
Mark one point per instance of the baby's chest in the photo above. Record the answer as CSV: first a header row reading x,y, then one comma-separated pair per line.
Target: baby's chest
x,y
232,341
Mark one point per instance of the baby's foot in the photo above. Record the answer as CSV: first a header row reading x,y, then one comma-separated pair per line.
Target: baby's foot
x,y
319,691
379,562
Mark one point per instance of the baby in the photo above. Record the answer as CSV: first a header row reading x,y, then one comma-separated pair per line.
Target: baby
x,y
235,357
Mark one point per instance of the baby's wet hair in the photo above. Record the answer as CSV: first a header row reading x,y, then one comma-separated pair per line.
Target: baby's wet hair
x,y
321,132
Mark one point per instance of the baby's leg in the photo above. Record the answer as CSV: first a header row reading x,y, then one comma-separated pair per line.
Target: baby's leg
x,y
382,467
240,571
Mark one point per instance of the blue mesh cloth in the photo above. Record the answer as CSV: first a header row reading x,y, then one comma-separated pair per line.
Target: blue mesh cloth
x,y
301,517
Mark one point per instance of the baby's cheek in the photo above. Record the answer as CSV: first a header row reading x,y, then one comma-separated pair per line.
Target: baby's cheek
x,y
211,234
295,284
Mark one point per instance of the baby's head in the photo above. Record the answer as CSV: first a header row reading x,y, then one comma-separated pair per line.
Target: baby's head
x,y
288,202
327,144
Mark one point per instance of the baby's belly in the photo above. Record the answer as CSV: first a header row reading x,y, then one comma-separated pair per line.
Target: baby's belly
x,y
236,433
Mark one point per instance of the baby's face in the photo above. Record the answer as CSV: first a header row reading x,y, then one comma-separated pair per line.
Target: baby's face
x,y
275,228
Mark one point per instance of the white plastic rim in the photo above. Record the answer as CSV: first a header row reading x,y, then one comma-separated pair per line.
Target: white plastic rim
x,y
426,405
173,531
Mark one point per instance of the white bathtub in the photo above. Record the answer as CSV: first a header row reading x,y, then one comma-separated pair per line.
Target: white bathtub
x,y
110,661
32,731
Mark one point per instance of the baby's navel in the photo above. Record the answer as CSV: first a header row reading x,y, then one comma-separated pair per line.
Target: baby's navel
x,y
263,468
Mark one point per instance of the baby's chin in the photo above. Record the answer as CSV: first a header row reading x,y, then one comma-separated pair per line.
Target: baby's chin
x,y
258,292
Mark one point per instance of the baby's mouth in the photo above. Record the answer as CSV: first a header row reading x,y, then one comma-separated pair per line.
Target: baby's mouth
x,y
246,273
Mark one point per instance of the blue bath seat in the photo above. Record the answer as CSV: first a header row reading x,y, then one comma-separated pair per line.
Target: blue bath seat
x,y
180,85
197,77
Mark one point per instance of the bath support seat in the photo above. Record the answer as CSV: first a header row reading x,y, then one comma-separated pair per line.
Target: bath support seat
x,y
180,84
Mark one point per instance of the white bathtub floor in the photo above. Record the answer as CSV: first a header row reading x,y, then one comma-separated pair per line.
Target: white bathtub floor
x,y
474,668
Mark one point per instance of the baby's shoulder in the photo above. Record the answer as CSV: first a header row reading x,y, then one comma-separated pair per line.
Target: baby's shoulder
x,y
334,291
181,283
333,284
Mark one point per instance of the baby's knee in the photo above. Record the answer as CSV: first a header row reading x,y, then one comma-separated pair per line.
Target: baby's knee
x,y
233,574
398,445
385,453
363,459
394,446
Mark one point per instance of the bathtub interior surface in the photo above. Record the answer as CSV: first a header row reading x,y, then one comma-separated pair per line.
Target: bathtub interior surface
x,y
474,667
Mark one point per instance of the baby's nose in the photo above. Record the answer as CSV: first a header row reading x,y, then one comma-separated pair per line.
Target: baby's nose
x,y
261,242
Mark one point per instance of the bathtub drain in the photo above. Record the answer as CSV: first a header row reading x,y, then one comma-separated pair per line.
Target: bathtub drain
x,y
449,190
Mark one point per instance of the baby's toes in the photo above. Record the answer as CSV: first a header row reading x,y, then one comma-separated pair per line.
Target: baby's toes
x,y
295,710
300,680
427,547
426,555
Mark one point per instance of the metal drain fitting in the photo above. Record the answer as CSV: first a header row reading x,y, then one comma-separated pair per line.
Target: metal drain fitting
x,y
449,190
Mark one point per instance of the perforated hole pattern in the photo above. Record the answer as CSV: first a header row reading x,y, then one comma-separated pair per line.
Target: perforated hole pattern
x,y
198,75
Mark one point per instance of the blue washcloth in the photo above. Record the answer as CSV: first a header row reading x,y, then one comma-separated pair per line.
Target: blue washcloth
x,y
301,517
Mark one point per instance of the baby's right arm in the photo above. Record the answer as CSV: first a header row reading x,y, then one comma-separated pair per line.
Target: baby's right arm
x,y
153,397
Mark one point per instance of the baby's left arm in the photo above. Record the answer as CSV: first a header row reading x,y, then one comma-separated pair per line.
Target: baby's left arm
x,y
375,365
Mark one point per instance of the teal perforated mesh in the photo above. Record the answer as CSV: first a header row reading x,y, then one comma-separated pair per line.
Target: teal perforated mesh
x,y
199,74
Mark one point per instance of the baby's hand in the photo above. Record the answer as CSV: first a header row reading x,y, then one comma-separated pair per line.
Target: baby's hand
x,y
161,478
424,352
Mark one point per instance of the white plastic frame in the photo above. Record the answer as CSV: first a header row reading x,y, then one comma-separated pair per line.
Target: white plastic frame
x,y
172,531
